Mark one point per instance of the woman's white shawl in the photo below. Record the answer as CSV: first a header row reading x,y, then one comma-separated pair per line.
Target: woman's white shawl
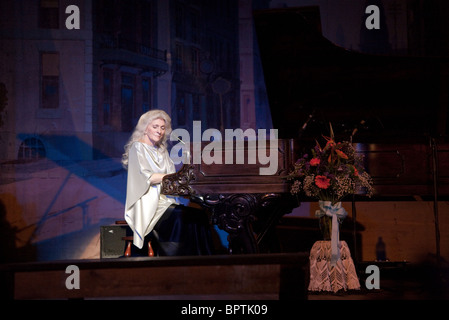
x,y
144,202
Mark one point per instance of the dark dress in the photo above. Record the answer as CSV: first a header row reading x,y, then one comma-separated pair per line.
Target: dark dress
x,y
182,231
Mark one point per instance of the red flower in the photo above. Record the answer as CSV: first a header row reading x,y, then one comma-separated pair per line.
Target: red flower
x,y
322,182
330,143
314,162
341,154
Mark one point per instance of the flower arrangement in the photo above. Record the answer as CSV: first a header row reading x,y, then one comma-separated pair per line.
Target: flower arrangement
x,y
331,173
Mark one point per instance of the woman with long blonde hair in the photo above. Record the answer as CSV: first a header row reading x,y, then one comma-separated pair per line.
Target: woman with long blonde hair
x,y
149,213
141,127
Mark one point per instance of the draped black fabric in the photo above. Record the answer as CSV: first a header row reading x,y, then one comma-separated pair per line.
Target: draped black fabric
x,y
182,231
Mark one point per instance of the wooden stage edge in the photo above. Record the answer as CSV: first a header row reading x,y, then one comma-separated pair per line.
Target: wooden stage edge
x,y
275,276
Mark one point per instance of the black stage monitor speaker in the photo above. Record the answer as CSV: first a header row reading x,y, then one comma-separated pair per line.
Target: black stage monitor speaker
x,y
111,243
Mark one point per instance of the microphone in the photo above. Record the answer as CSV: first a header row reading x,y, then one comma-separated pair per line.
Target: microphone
x,y
307,121
357,129
304,126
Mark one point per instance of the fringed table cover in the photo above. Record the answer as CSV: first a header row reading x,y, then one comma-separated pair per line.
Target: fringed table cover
x,y
327,277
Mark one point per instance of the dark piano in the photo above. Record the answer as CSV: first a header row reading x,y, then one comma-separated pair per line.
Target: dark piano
x,y
244,203
393,108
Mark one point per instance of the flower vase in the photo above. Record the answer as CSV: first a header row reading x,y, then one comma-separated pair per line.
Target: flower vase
x,y
327,213
331,265
325,223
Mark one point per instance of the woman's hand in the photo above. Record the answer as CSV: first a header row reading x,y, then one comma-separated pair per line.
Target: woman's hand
x,y
156,178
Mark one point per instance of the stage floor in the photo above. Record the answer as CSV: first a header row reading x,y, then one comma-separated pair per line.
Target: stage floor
x,y
282,276
256,276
